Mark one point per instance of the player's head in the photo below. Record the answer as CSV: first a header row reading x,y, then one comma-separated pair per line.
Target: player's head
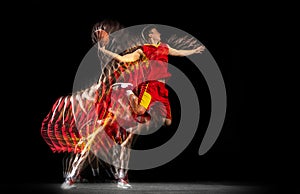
x,y
151,33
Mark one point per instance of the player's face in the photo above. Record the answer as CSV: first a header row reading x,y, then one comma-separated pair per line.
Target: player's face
x,y
155,34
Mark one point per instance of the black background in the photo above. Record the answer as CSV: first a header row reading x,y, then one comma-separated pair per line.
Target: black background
x,y
47,42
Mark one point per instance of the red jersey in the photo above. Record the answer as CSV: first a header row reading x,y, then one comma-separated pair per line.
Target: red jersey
x,y
158,60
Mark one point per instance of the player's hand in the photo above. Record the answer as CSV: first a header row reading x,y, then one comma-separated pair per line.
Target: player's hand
x,y
200,49
101,48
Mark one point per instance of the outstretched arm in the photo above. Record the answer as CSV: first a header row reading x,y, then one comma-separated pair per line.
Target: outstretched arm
x,y
131,57
182,53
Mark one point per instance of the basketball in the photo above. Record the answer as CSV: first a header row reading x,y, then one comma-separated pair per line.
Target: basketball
x,y
102,37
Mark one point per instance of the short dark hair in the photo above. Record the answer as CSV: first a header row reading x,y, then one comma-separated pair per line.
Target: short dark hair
x,y
147,30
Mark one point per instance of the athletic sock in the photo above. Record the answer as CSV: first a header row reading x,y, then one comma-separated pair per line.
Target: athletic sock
x,y
95,171
121,174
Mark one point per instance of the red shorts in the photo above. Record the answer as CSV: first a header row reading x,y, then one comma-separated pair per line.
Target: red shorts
x,y
150,92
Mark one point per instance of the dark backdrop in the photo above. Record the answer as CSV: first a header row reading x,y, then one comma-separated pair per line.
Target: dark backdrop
x,y
46,45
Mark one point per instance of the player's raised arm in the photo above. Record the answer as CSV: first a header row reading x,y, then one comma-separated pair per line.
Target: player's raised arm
x,y
131,57
182,53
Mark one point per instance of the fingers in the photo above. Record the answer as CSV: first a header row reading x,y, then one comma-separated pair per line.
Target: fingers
x,y
200,49
101,47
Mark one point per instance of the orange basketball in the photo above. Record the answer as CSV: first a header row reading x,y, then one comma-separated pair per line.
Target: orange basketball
x,y
102,37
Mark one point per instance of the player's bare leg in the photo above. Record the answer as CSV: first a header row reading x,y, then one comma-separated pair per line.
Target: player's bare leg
x,y
134,103
124,159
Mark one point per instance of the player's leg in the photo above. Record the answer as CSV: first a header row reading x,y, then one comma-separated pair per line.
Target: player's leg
x,y
165,108
134,100
123,181
94,164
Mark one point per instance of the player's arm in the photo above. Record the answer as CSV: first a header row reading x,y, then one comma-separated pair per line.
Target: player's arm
x,y
131,57
182,53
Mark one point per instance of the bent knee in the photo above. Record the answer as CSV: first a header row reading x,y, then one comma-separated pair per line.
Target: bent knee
x,y
168,122
140,110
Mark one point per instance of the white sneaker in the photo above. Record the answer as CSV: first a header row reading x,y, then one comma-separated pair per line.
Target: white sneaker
x,y
123,184
116,86
68,184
